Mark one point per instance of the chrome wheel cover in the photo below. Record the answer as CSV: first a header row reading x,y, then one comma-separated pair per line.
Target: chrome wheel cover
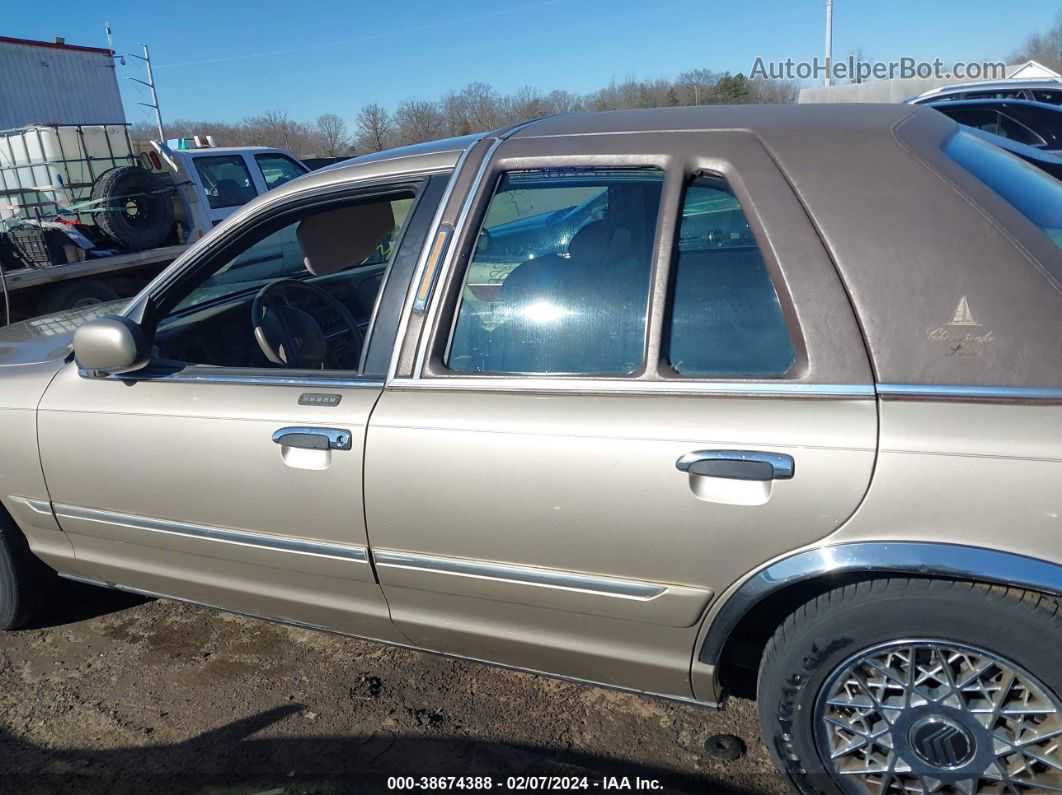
x,y
938,717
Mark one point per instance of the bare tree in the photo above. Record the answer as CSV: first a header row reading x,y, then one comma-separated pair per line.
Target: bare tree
x,y
332,131
478,107
418,120
695,86
1044,48
484,107
374,129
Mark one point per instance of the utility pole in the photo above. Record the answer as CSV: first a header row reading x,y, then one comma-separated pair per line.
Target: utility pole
x,y
154,104
829,42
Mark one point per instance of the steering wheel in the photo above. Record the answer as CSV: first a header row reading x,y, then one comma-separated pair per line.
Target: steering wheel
x,y
289,336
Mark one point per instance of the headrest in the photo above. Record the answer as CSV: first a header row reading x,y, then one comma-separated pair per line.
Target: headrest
x,y
596,243
336,239
590,243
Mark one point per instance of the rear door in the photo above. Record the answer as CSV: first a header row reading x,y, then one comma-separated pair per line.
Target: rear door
x,y
638,378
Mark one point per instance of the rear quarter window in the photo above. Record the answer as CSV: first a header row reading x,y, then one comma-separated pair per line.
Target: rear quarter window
x,y
726,319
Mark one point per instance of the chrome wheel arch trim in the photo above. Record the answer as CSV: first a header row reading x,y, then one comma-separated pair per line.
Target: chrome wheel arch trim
x,y
920,558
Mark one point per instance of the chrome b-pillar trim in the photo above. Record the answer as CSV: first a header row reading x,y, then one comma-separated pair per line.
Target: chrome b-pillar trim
x,y
927,559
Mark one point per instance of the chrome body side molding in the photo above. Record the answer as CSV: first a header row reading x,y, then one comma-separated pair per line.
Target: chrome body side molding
x,y
297,546
524,575
925,559
43,507
960,392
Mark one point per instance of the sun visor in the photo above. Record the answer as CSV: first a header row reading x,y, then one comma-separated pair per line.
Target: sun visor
x,y
336,239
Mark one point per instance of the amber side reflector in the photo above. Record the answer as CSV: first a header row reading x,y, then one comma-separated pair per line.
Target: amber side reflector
x,y
431,267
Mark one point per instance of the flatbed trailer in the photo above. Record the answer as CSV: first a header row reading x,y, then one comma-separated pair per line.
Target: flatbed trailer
x,y
83,283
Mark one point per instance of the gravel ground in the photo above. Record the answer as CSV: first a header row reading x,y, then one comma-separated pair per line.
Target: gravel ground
x,y
123,694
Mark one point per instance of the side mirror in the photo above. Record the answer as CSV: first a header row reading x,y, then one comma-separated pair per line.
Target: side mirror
x,y
110,345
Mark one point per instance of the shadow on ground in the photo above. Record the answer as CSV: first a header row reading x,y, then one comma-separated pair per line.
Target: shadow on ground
x,y
231,760
76,601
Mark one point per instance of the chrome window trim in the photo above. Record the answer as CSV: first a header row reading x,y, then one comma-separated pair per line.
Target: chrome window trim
x,y
976,392
236,378
422,259
621,385
522,575
296,546
921,558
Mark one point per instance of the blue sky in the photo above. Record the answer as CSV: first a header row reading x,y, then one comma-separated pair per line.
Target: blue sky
x,y
224,60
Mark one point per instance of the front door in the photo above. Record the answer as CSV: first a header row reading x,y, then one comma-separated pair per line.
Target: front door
x,y
219,474
639,379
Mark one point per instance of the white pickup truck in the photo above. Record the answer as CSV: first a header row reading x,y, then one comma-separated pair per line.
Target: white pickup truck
x,y
203,182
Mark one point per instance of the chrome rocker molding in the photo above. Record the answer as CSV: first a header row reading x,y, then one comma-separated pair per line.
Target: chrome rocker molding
x,y
925,559
524,575
277,543
293,623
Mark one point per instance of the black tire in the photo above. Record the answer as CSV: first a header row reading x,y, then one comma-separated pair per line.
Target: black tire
x,y
822,637
24,579
135,208
77,295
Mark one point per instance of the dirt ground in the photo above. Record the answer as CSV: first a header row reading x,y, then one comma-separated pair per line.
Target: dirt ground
x,y
124,694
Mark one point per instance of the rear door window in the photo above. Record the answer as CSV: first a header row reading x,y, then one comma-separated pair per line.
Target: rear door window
x,y
726,319
226,180
559,279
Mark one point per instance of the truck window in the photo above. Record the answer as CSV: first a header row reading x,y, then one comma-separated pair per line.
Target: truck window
x,y
277,169
226,180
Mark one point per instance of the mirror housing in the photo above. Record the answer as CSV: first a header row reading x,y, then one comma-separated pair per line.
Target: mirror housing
x,y
110,345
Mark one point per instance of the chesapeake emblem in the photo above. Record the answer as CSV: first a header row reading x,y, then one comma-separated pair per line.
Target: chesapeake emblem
x,y
957,336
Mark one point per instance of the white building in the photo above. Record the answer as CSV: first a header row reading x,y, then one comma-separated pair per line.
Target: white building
x,y
57,83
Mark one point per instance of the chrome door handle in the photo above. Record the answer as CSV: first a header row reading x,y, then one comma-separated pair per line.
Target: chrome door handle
x,y
737,464
313,438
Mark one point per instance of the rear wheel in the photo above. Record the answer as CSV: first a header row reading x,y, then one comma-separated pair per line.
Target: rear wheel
x,y
24,579
899,686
